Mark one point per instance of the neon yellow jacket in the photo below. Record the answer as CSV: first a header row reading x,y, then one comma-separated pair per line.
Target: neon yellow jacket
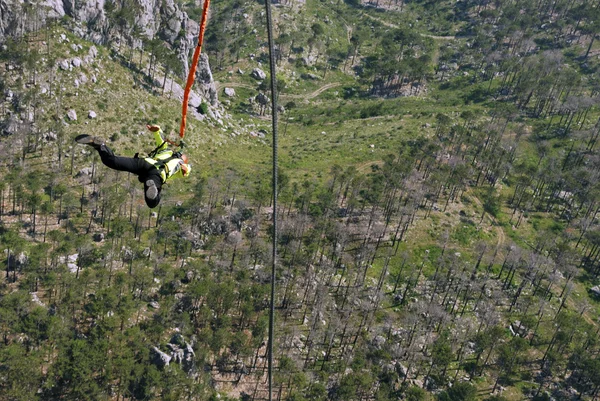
x,y
163,160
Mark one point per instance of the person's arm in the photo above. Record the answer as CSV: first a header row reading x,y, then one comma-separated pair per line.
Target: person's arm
x,y
158,136
183,170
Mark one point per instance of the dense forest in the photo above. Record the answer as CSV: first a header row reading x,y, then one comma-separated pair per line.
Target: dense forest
x,y
439,199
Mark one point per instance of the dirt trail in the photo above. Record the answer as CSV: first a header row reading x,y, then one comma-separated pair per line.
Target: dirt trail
x,y
220,85
315,93
312,95
389,24
438,37
499,231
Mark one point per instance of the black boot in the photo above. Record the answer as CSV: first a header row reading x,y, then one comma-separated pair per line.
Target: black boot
x,y
93,141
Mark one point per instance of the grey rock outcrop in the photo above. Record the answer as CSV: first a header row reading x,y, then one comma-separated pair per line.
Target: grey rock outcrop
x,y
257,73
180,352
56,7
91,22
19,260
189,276
262,99
205,81
161,359
176,91
84,176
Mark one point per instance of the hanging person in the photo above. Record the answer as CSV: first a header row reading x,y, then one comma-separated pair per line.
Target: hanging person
x,y
160,166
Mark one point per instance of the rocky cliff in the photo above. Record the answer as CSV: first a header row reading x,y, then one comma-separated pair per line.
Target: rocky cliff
x,y
91,20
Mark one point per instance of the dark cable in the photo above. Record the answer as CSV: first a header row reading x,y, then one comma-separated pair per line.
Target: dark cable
x,y
275,162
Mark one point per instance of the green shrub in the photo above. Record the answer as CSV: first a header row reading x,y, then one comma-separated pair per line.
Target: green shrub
x,y
203,108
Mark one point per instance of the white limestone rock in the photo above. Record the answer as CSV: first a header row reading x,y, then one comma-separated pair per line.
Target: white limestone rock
x,y
229,92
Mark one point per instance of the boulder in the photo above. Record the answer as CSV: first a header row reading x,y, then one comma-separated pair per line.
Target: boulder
x,y
51,136
234,237
76,62
64,65
85,171
84,176
92,114
72,115
127,255
518,329
194,100
310,76
259,74
379,342
35,299
229,92
189,276
99,237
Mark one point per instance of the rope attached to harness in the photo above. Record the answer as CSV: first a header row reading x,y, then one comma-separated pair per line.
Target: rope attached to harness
x,y
192,74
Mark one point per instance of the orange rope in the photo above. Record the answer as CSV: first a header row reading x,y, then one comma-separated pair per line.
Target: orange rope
x,y
192,74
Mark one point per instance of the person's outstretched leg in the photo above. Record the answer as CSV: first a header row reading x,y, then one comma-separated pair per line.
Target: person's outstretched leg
x,y
133,165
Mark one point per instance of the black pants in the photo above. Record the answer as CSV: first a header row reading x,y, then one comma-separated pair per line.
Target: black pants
x,y
138,166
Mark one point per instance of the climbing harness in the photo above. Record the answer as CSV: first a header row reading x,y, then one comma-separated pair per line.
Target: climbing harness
x,y
157,149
